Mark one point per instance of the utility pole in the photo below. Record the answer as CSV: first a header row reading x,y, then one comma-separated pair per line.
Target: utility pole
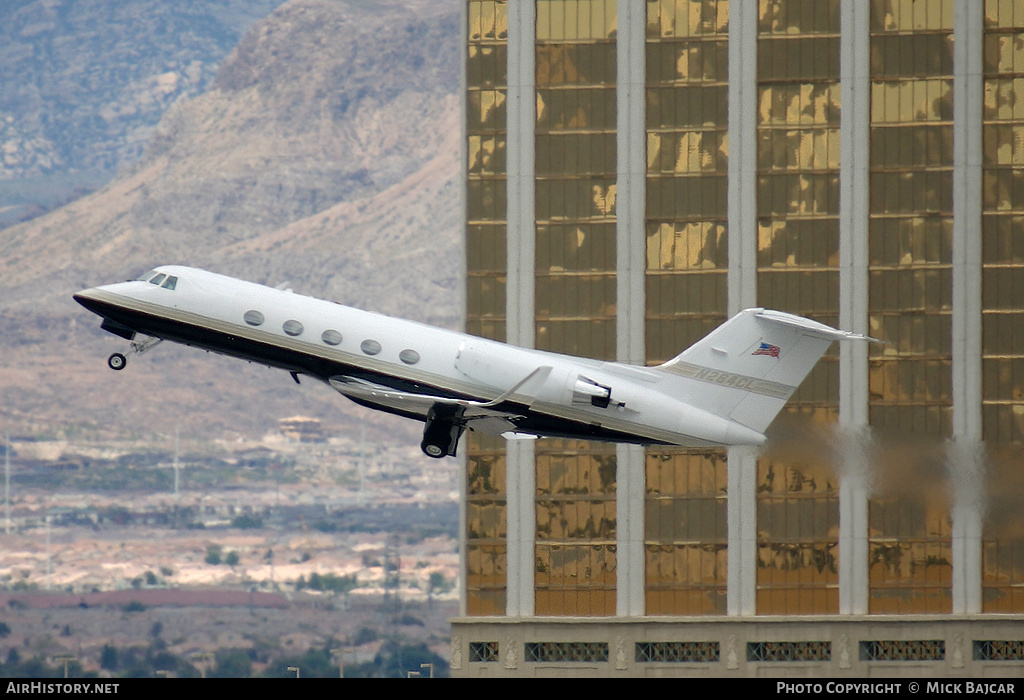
x,y
177,495
393,603
49,560
7,481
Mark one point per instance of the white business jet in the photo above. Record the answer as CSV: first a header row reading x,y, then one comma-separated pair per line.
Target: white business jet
x,y
722,391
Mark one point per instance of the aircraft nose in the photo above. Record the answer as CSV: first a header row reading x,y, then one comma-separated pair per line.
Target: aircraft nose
x,y
98,299
87,298
107,293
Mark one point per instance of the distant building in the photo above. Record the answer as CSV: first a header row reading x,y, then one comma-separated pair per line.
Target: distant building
x,y
302,428
636,172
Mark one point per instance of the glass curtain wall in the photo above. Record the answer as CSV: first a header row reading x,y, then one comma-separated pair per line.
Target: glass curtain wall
x,y
486,90
687,46
798,263
910,304
686,533
575,292
687,164
1003,303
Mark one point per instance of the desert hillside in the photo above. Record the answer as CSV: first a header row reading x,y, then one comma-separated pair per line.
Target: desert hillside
x,y
323,153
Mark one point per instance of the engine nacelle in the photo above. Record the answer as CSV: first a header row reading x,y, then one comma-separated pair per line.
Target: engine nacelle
x,y
587,392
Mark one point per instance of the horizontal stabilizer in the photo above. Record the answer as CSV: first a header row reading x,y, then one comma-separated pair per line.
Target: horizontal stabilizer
x,y
811,327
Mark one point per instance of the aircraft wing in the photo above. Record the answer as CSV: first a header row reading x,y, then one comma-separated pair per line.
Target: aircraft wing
x,y
421,403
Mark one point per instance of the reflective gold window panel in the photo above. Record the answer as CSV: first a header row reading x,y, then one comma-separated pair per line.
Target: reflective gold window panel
x,y
575,291
687,48
1003,221
1002,229
576,529
1003,538
797,531
486,531
686,535
576,171
486,80
910,556
687,162
910,304
798,262
910,226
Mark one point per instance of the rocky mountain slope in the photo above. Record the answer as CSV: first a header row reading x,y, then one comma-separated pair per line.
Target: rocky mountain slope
x,y
324,153
86,81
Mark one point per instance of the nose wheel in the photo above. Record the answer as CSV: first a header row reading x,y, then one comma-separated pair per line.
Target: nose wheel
x,y
118,361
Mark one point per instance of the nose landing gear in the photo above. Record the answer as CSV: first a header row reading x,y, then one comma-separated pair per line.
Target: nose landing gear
x,y
119,361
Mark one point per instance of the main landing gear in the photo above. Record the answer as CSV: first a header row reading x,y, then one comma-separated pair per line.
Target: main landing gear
x,y
118,361
443,430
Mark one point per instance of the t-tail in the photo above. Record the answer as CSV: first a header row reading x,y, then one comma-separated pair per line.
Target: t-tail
x,y
747,368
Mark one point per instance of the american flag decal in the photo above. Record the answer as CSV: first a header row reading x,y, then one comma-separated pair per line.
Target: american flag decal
x,y
767,349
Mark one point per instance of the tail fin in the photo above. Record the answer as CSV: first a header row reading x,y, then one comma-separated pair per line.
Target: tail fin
x,y
747,368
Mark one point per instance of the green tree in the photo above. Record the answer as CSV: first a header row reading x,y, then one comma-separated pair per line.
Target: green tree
x,y
232,663
437,581
315,663
395,661
213,553
108,658
247,522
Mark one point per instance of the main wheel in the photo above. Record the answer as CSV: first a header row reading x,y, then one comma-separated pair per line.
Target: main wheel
x,y
441,431
432,450
117,361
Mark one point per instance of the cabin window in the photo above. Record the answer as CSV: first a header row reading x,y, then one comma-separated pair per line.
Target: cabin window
x,y
331,337
292,328
409,357
253,318
370,347
158,279
170,283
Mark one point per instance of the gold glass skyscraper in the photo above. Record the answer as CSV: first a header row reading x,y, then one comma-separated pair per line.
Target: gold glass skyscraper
x,y
636,172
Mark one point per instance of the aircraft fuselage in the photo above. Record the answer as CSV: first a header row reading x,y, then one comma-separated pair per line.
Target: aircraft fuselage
x,y
448,379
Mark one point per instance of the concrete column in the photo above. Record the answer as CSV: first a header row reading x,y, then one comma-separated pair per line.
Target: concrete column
x,y
631,262
852,431
742,281
742,176
520,329
522,228
741,596
521,525
463,301
966,454
630,484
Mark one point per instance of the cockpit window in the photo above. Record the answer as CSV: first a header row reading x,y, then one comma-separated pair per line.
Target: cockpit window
x,y
161,279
